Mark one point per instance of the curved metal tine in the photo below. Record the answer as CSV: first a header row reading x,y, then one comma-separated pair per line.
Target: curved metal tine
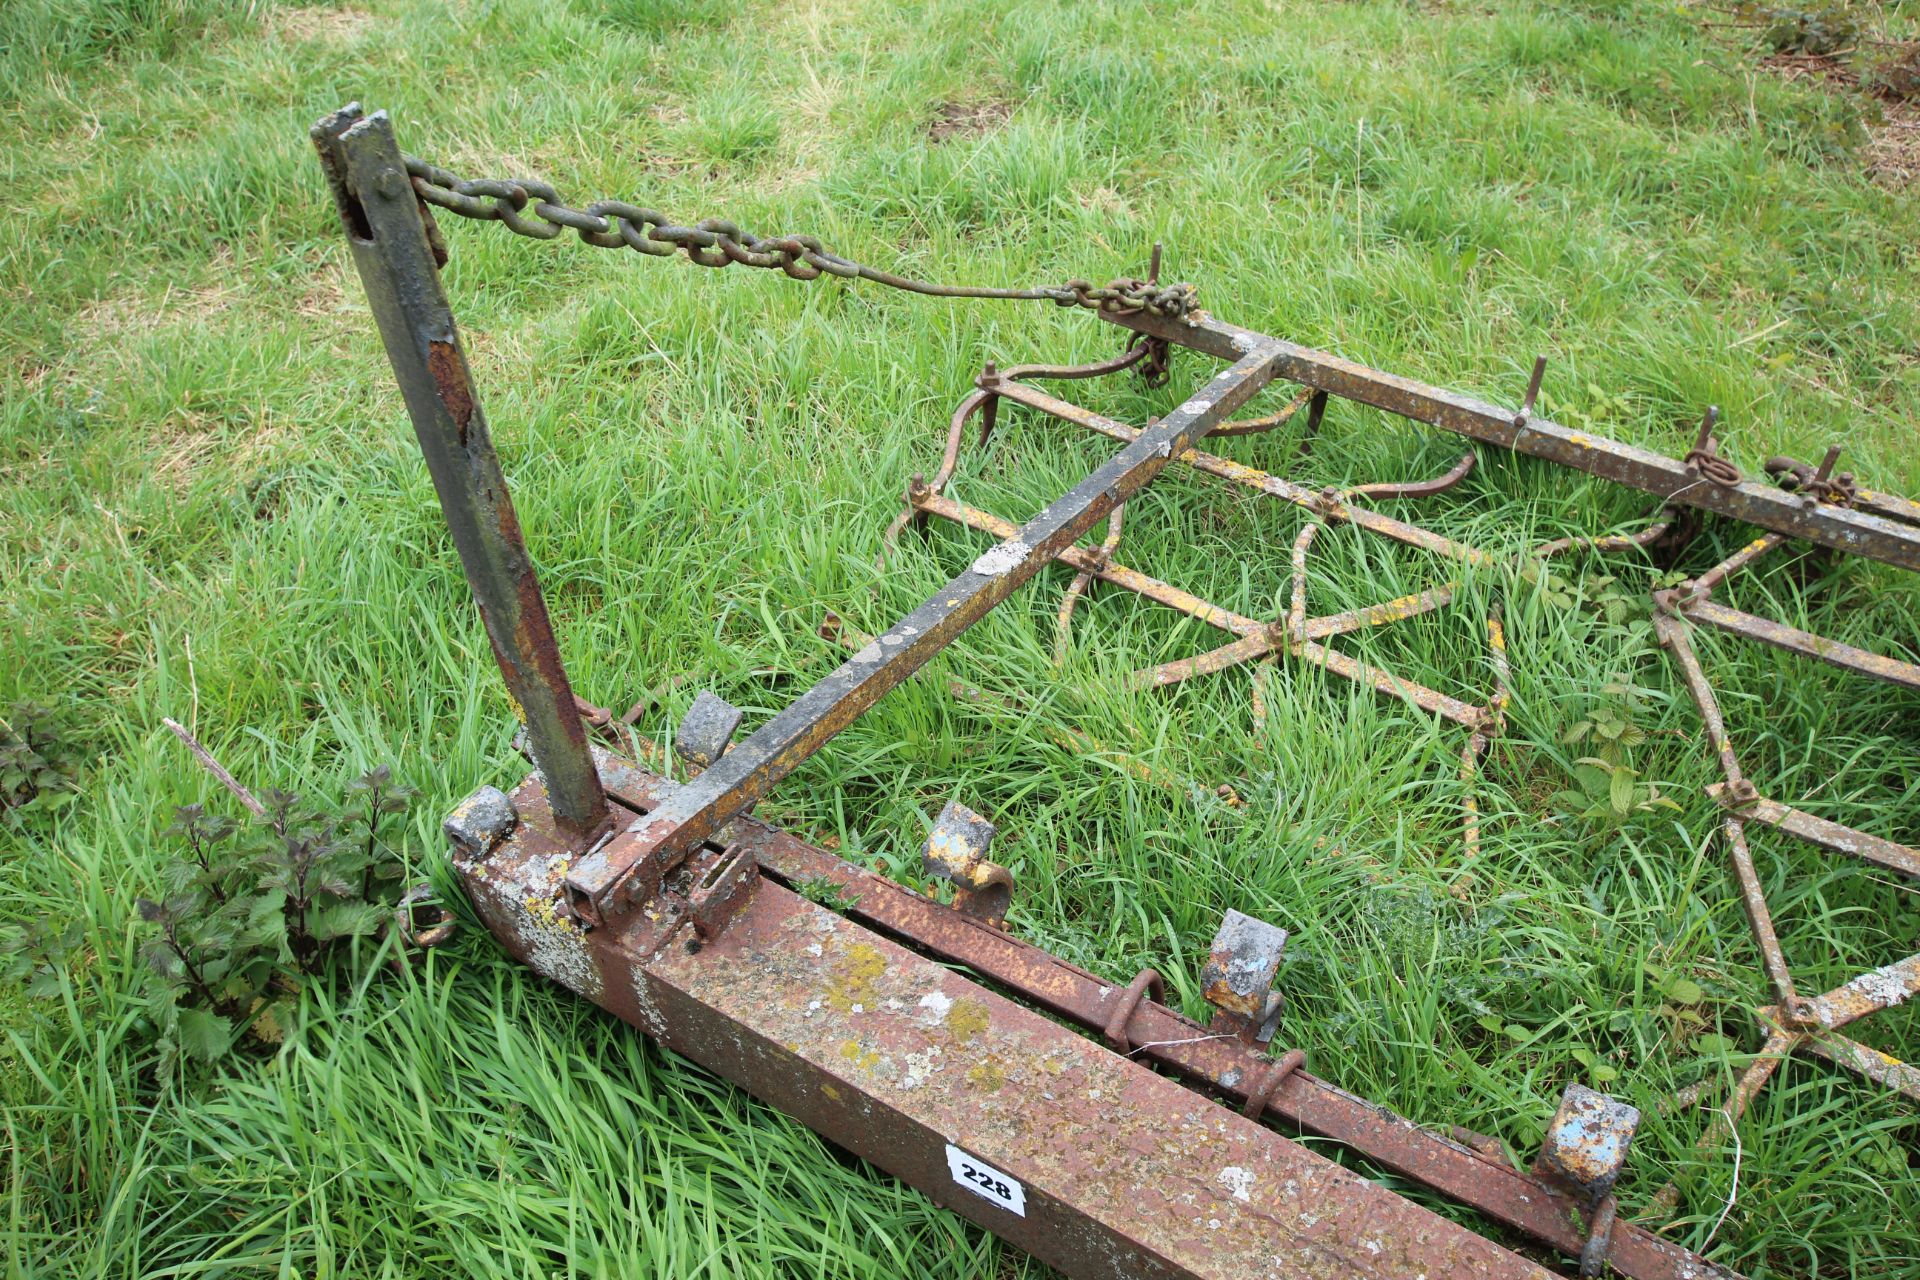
x,y
1482,736
1257,690
1063,630
1316,412
956,432
1415,488
1609,542
987,404
1099,368
1297,612
1255,426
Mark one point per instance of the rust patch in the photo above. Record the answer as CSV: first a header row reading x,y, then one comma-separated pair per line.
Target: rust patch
x,y
449,372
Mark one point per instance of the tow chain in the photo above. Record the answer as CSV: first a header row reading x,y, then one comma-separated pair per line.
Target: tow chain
x,y
534,209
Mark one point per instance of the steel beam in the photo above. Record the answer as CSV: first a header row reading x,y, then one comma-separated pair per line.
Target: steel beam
x,y
887,1050
1864,845
388,237
611,878
1861,532
1220,1065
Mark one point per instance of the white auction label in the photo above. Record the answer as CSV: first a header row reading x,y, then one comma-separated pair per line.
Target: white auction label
x,y
984,1180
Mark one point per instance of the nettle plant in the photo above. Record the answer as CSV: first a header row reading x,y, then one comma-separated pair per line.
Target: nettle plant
x,y
38,764
250,914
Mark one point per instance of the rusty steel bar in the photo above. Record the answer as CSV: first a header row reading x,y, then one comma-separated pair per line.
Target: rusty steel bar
x,y
1796,1023
1297,599
1327,503
1088,561
1779,1046
609,879
389,240
1219,1064
1819,831
1482,737
1671,633
1753,901
1257,637
1806,643
1846,529
1082,581
1881,1068
1085,1158
1740,559
1870,993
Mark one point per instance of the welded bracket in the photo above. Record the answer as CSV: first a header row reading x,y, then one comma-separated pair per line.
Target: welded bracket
x,y
956,851
706,730
1239,975
1585,1151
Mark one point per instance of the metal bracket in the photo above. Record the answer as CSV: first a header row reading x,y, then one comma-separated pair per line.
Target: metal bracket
x,y
706,731
956,851
1239,975
1585,1151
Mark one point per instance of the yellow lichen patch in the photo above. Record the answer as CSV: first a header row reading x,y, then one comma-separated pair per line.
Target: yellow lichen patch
x,y
853,977
864,1059
830,1091
967,1019
988,1076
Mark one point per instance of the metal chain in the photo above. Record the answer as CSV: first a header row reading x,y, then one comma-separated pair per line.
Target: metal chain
x,y
1795,476
1704,458
1708,464
716,242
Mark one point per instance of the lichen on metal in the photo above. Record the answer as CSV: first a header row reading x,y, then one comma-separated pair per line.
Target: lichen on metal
x,y
479,821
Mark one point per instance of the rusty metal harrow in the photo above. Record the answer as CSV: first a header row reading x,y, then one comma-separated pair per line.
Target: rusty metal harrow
x,y
1794,1023
925,1037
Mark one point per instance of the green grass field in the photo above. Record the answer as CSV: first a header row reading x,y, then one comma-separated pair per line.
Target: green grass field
x,y
211,508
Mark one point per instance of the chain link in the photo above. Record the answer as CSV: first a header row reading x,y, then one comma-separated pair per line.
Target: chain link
x,y
1709,465
1797,477
1704,458
534,209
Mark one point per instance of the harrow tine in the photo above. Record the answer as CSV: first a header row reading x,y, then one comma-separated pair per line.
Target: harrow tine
x,y
1063,628
1533,392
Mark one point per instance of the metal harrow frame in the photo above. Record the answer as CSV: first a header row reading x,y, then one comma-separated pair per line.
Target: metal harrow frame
x,y
1794,1023
925,1037
1296,635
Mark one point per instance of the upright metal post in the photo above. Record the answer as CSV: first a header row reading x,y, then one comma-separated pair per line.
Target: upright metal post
x,y
388,234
